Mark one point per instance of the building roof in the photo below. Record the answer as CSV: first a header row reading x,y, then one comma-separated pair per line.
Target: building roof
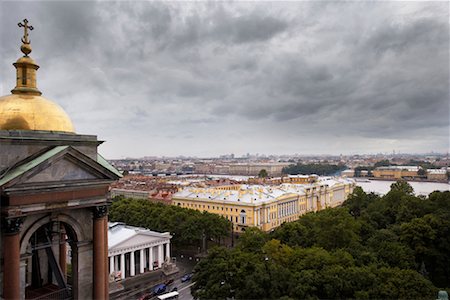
x,y
118,233
249,194
437,171
408,168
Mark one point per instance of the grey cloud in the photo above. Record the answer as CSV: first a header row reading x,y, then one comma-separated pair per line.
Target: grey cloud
x,y
147,75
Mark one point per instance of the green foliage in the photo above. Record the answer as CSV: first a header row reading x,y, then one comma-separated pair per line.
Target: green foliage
x,y
392,247
402,186
382,163
252,240
263,173
319,169
186,225
330,228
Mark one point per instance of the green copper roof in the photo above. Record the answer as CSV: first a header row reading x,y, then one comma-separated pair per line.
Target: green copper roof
x,y
31,164
21,169
107,165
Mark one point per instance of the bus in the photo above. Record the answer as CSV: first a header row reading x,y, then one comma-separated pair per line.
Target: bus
x,y
168,296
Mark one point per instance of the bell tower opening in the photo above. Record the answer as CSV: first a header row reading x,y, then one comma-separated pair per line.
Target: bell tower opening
x,y
51,262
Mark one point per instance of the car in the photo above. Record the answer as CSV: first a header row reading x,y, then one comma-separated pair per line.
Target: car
x,y
175,289
159,289
186,277
169,281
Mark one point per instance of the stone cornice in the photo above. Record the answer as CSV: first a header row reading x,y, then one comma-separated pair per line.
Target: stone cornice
x,y
137,247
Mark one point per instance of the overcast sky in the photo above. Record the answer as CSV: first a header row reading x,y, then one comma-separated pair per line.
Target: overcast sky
x,y
204,79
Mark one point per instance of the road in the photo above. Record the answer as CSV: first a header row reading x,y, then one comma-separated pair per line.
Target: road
x,y
184,288
143,285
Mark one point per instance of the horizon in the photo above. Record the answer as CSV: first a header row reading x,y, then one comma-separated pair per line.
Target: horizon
x,y
262,155
209,78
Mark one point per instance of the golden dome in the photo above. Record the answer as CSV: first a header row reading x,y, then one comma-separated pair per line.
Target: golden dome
x,y
26,109
32,112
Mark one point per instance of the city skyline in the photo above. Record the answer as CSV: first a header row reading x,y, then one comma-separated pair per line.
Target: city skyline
x,y
206,79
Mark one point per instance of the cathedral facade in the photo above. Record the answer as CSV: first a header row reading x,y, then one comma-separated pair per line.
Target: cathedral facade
x,y
53,193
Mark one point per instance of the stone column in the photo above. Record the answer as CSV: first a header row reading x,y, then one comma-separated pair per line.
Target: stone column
x,y
106,286
111,264
168,250
132,265
141,261
100,251
63,254
11,258
122,265
150,258
160,255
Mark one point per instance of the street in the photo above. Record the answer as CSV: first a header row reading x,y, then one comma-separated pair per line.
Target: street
x,y
140,286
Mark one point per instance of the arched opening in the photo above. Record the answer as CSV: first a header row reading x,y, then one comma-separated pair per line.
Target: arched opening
x,y
51,261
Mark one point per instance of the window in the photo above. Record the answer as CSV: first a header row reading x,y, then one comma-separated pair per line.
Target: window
x,y
243,217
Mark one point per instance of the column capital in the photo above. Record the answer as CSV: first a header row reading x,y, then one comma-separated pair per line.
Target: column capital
x,y
100,211
12,226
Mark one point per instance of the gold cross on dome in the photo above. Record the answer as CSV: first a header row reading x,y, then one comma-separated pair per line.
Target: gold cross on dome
x,y
25,26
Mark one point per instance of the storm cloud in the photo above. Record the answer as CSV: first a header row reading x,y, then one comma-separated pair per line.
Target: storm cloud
x,y
207,78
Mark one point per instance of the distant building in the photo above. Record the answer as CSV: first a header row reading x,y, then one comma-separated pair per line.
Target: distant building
x,y
397,172
348,173
265,206
437,174
252,169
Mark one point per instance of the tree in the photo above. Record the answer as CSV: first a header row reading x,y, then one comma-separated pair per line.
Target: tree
x,y
190,226
252,240
422,172
402,186
382,163
263,173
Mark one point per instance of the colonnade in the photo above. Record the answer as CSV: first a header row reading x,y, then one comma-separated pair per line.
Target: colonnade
x,y
146,259
287,208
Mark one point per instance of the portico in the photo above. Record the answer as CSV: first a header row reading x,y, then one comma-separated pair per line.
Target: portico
x,y
135,250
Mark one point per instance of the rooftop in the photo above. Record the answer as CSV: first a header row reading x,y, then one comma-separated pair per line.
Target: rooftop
x,y
248,194
120,232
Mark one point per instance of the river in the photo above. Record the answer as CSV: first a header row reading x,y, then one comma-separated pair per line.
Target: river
x,y
420,188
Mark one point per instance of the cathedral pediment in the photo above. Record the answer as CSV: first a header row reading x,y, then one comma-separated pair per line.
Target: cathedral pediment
x,y
62,164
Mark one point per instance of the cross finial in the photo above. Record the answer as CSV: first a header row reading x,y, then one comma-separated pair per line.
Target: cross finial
x,y
25,26
26,47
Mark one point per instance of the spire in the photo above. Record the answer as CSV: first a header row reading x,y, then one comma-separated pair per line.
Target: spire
x,y
25,66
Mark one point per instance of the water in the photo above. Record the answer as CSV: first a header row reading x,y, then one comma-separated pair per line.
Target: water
x,y
376,186
420,188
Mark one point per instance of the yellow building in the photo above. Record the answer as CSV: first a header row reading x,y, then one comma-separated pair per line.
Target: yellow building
x,y
437,174
396,172
265,206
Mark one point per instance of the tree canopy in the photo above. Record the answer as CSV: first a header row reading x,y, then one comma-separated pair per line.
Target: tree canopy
x,y
263,173
395,246
188,226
